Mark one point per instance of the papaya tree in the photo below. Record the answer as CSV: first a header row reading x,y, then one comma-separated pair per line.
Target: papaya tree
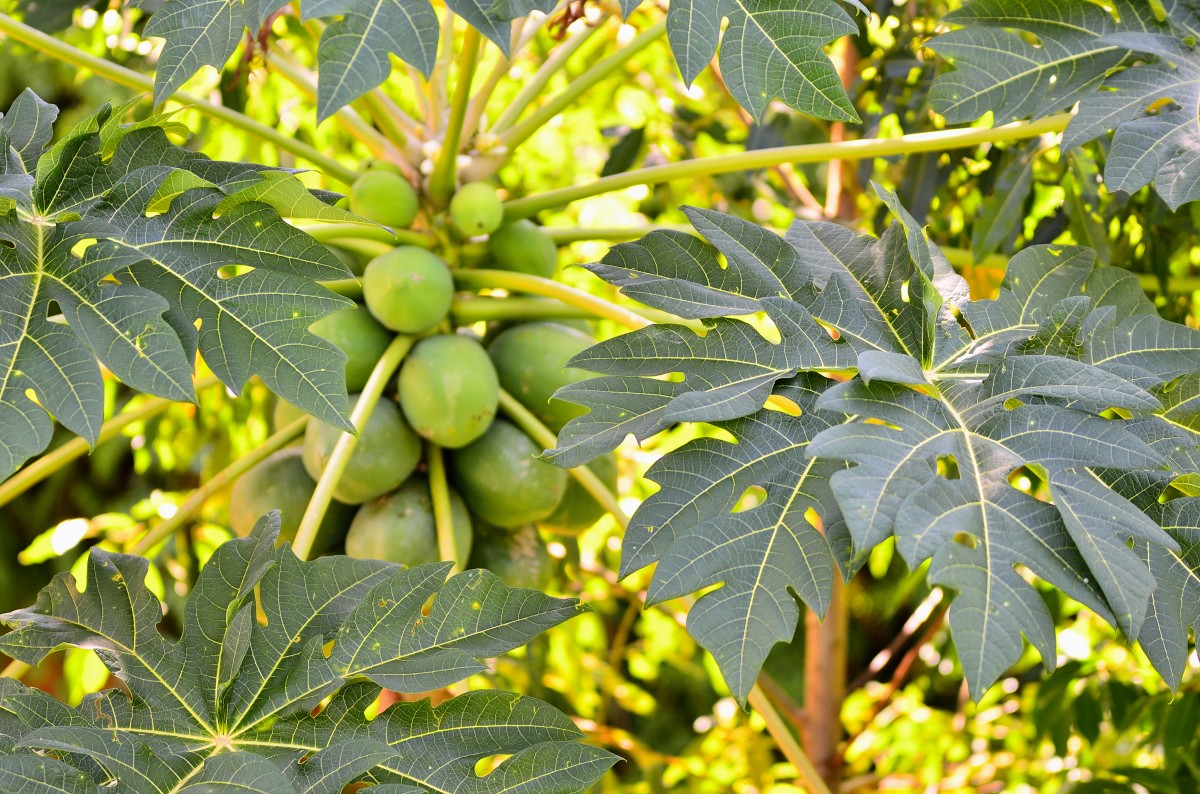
x,y
843,384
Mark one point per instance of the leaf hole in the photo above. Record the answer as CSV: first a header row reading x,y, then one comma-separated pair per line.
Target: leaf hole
x,y
1029,481
751,498
871,420
490,763
227,272
814,520
947,466
965,539
777,402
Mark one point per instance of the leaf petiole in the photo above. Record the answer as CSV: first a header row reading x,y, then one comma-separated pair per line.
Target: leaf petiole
x,y
384,369
859,149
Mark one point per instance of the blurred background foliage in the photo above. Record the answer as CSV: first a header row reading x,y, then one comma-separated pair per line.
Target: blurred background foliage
x,y
637,683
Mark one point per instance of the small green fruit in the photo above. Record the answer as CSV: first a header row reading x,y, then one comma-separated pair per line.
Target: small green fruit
x,y
386,453
384,197
499,477
400,527
476,209
523,247
531,362
281,483
408,289
448,390
360,337
578,511
517,555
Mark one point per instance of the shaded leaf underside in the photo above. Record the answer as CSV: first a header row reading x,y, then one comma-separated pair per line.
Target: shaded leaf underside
x,y
947,399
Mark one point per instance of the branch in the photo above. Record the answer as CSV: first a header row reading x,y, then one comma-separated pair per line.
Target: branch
x,y
764,158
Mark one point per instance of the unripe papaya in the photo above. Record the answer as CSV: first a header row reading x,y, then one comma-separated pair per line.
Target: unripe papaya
x,y
408,289
448,390
400,527
499,478
384,197
516,554
386,453
578,511
284,413
361,338
476,209
281,483
523,247
531,363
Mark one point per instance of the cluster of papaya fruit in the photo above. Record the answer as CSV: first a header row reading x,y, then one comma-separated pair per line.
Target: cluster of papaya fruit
x,y
447,393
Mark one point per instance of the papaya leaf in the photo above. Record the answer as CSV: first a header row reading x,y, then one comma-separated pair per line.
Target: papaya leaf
x,y
767,51
130,238
1130,72
942,414
237,700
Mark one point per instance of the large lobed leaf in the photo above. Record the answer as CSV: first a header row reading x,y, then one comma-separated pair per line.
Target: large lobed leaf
x,y
267,640
128,237
768,50
1129,71
1069,377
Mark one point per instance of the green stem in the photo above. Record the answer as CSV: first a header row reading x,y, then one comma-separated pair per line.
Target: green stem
x,y
541,434
441,182
342,450
563,235
285,64
368,248
536,285
227,475
479,309
397,125
860,149
331,232
519,133
439,80
443,517
551,66
64,52
786,741
523,32
77,447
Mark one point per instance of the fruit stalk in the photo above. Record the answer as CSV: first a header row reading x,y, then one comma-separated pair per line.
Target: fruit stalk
x,y
439,494
547,288
226,476
860,149
484,309
384,369
64,52
329,232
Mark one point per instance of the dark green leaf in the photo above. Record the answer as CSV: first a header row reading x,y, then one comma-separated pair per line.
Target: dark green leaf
x,y
947,402
231,703
1128,70
127,234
